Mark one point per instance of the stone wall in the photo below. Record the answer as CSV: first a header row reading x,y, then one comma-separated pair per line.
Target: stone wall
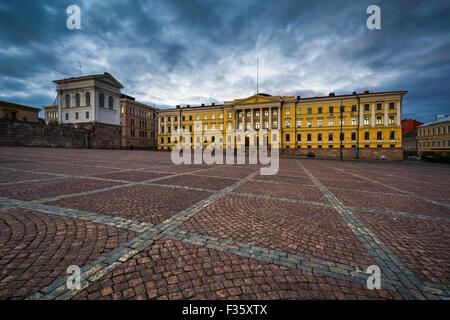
x,y
347,153
27,134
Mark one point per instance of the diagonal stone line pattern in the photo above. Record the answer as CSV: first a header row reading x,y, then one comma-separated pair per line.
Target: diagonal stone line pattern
x,y
412,194
105,264
390,264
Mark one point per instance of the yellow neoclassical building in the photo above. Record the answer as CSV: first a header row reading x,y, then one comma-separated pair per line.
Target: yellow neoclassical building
x,y
369,121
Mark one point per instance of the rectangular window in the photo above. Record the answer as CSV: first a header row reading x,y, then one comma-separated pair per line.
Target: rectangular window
x,y
288,111
287,123
229,115
266,124
299,123
354,108
275,125
367,121
87,114
330,122
213,116
220,126
67,116
309,110
367,107
205,117
266,113
309,123
391,119
319,122
330,109
229,126
392,106
354,121
379,120
319,110
299,111
76,115
379,106
221,116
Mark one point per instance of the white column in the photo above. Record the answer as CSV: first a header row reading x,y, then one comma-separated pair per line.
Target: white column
x,y
386,114
279,118
361,115
159,125
399,114
260,118
251,119
243,119
372,117
270,119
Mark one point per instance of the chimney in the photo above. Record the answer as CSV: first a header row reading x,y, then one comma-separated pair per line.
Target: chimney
x,y
366,92
203,104
188,106
298,97
178,107
354,93
331,94
213,104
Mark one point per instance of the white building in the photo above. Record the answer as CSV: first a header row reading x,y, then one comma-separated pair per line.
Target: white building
x,y
94,98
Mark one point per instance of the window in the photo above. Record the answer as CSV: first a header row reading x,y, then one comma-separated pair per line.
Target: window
x,y
257,113
67,116
391,106
379,106
229,125
67,101
366,121
287,123
76,116
319,110
309,123
319,122
330,122
274,125
275,112
379,120
257,125
299,137
319,137
266,124
379,135
110,102
213,126
309,110
366,135
205,117
220,116
221,126
133,134
353,136
229,115
354,121
367,107
391,119
299,123
248,125
392,135
77,100
354,108
183,118
342,121
299,111
342,136
330,109
330,136
101,100
213,116
132,122
248,114
87,114
288,111
274,137
197,117
205,127
308,137
288,138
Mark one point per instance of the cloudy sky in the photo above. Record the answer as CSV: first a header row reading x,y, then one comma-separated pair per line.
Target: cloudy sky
x,y
168,52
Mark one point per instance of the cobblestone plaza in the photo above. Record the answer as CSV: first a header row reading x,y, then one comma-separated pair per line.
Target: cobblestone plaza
x,y
140,227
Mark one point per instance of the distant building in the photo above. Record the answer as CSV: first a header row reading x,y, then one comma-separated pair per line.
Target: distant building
x,y
409,137
17,112
50,113
89,99
435,135
138,124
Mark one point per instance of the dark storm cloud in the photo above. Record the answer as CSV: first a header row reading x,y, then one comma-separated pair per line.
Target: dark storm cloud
x,y
188,52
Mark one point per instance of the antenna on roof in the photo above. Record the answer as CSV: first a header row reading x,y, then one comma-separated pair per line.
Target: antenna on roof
x,y
257,75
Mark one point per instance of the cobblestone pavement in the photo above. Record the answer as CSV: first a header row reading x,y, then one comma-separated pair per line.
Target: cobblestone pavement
x,y
140,227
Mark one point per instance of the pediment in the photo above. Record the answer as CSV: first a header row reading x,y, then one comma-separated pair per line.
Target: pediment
x,y
257,98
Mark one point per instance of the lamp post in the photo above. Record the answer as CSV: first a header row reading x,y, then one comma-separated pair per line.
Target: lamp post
x,y
341,135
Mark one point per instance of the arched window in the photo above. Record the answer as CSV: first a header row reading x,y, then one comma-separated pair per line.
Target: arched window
x,y
353,136
319,137
299,137
366,135
213,139
88,99
77,100
330,136
392,135
101,100
288,138
110,102
379,135
67,100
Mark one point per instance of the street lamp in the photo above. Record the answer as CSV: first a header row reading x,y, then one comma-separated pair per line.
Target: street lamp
x,y
342,109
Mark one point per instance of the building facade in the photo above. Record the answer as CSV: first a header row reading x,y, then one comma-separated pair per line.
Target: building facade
x,y
138,122
435,135
409,137
369,120
89,99
50,114
17,112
